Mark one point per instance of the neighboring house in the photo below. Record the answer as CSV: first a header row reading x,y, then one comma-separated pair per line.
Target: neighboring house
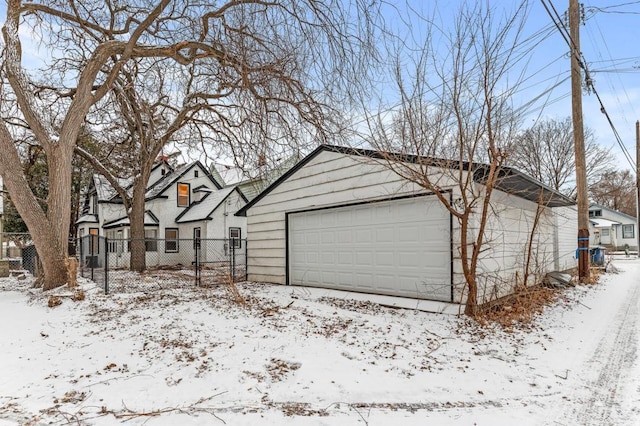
x,y
341,219
611,228
251,183
184,203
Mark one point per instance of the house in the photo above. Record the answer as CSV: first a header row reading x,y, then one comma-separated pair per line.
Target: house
x,y
611,228
183,203
342,219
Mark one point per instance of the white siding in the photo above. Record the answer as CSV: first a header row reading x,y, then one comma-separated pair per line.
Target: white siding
x,y
329,179
333,179
506,240
566,237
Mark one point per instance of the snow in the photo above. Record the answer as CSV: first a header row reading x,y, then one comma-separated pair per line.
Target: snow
x,y
295,356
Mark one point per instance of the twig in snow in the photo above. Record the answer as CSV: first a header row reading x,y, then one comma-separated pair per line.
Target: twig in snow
x,y
579,302
566,375
353,407
128,414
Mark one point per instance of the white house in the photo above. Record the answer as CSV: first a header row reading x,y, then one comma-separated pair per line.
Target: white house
x,y
611,228
341,219
184,203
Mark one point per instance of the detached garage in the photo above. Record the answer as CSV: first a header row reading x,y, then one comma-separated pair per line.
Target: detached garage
x,y
340,219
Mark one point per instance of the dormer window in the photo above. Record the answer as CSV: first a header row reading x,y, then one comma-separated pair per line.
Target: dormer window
x,y
183,195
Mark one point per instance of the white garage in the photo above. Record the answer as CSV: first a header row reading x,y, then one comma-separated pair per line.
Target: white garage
x,y
397,247
341,219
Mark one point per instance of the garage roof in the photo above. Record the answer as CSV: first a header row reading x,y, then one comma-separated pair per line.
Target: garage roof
x,y
510,180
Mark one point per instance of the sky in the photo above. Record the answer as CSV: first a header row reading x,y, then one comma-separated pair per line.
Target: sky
x,y
608,41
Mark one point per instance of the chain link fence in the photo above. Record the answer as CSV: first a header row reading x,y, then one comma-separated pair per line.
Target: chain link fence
x,y
18,250
91,251
107,261
200,262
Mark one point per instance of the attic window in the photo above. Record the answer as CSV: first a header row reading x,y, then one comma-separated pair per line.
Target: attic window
x,y
183,195
196,173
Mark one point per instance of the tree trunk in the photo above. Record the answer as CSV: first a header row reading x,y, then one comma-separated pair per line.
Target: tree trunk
x,y
136,217
48,231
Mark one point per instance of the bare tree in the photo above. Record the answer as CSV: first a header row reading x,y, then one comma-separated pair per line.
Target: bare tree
x,y
545,151
264,51
454,104
616,190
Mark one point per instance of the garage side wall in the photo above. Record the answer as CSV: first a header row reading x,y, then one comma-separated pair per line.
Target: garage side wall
x,y
329,179
505,261
566,219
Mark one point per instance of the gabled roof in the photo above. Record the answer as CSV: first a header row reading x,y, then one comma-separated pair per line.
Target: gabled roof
x,y
167,180
203,209
149,220
104,190
601,207
510,180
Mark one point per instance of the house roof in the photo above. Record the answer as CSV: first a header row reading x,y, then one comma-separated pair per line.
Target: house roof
x,y
593,206
203,209
149,220
510,180
603,223
87,218
105,191
167,180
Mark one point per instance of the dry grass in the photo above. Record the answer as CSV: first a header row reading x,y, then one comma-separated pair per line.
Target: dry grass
x,y
518,308
522,307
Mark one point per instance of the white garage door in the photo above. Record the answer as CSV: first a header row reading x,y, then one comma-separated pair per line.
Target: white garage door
x,y
399,248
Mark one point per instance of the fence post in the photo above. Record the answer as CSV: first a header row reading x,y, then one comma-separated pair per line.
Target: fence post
x,y
106,265
196,262
232,263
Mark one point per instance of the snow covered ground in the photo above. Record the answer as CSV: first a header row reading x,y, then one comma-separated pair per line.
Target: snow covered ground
x,y
295,356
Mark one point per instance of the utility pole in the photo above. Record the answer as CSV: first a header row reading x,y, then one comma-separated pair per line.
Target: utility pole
x,y
578,140
638,185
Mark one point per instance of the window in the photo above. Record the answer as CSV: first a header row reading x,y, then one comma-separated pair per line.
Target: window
x,y
605,232
171,240
627,231
196,238
196,173
234,235
94,204
183,195
94,244
151,240
116,241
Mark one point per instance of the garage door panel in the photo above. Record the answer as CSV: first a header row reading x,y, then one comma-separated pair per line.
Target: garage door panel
x,y
395,247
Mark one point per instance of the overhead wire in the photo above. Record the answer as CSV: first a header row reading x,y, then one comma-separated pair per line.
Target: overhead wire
x,y
560,25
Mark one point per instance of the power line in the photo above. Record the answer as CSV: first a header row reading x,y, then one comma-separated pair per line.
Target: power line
x,y
557,20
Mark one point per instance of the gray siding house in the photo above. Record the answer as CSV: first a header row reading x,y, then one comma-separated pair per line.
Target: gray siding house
x,y
341,219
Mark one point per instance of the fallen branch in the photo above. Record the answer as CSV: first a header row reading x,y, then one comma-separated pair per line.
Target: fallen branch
x,y
128,414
